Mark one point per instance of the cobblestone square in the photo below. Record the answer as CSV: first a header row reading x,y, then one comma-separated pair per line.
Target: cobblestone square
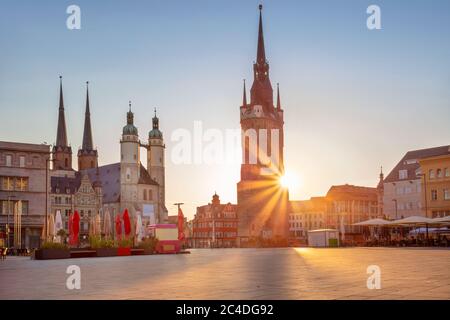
x,y
288,273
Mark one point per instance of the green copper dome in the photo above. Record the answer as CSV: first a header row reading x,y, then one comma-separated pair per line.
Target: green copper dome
x,y
155,132
130,128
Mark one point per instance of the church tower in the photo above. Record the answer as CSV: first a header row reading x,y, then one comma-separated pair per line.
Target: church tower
x,y
155,158
62,152
129,163
262,202
87,156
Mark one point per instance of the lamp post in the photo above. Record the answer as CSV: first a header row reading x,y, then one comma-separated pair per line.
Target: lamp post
x,y
396,207
47,161
425,194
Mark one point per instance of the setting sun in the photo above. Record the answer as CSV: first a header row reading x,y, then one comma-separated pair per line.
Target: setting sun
x,y
289,181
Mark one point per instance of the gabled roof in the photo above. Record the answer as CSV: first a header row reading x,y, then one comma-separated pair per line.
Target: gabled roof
x,y
65,185
410,162
109,177
351,192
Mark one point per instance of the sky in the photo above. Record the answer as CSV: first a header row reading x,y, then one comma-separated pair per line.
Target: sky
x,y
355,99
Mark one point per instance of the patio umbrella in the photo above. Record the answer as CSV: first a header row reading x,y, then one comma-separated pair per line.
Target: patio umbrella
x,y
91,226
442,220
98,224
58,224
342,229
415,220
118,223
107,224
373,222
180,224
75,227
138,230
51,226
126,223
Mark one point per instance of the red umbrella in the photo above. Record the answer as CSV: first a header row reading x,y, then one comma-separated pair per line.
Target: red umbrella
x,y
180,224
75,227
126,223
118,226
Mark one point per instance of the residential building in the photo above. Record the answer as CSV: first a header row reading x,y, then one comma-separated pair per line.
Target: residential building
x,y
23,169
436,185
215,225
403,194
349,204
306,215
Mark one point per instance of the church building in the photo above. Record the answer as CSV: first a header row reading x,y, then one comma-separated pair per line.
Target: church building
x,y
262,201
115,187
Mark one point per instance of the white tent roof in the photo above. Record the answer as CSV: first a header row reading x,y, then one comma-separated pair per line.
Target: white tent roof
x,y
413,220
373,222
443,219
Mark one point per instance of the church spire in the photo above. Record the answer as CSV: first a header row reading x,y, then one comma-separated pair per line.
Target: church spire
x,y
61,134
87,134
278,97
244,97
261,92
261,54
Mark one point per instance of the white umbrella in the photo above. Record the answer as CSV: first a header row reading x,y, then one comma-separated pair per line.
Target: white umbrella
x,y
373,222
413,220
98,224
342,229
91,226
442,219
51,226
58,224
107,224
138,230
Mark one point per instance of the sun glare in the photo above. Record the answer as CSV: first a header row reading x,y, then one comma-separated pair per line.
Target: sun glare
x,y
289,181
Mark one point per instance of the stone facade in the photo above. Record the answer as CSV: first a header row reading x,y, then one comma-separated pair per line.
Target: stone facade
x,y
436,185
403,187
262,202
22,175
215,225
306,215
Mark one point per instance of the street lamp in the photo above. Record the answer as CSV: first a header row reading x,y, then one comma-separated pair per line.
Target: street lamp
x,y
396,207
47,161
424,190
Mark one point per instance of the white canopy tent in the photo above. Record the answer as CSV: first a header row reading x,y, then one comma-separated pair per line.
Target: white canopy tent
x,y
413,220
373,222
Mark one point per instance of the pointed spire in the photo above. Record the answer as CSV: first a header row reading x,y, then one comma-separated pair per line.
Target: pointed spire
x,y
244,98
130,115
87,134
61,134
155,121
261,54
278,97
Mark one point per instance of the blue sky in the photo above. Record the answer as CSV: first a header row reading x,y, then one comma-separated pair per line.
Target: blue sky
x,y
354,99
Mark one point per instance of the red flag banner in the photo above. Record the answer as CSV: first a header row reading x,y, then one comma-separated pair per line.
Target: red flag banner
x,y
126,223
75,227
180,224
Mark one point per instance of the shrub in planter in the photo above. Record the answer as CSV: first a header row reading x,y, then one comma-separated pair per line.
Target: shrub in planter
x,y
103,247
148,244
52,250
124,247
